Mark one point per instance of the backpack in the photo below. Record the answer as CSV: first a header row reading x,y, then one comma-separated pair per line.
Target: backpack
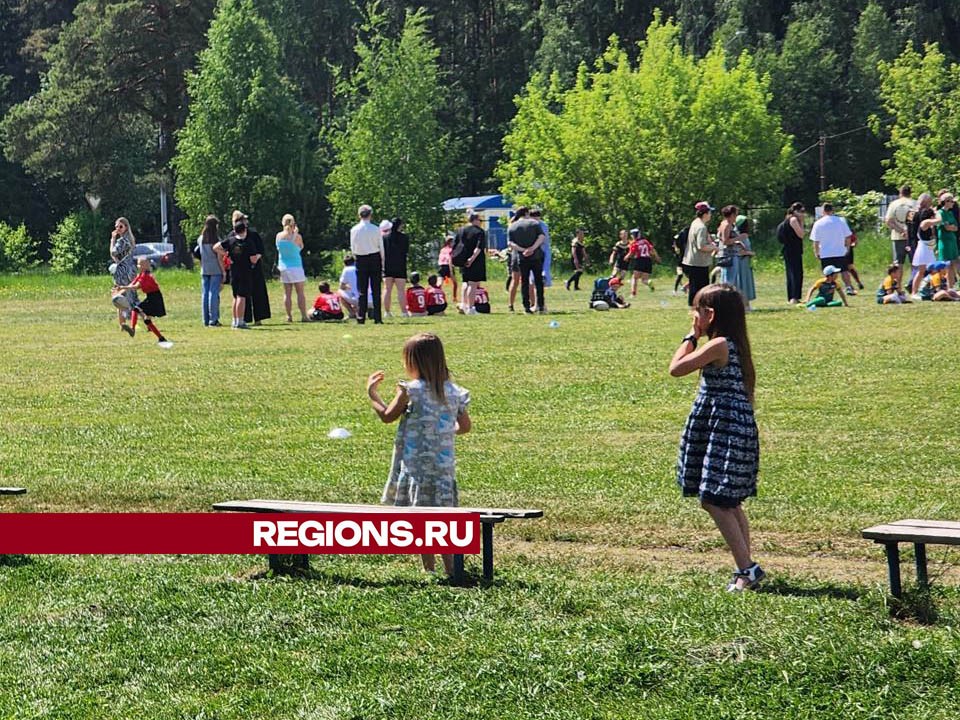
x,y
459,254
600,287
782,232
680,240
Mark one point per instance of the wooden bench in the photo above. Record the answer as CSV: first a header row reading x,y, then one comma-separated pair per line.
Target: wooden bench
x,y
12,491
921,533
489,517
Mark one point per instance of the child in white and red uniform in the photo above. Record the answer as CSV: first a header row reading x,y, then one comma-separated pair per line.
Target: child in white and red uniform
x,y
436,298
327,305
481,301
151,306
416,297
641,256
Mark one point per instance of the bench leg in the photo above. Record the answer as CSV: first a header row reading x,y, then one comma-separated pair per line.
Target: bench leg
x,y
274,562
304,562
893,568
921,558
486,530
458,573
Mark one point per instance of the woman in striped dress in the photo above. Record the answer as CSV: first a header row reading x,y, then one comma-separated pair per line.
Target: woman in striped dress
x,y
719,449
124,266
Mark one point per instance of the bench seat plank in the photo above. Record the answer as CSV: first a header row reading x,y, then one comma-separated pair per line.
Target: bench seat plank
x,y
12,490
945,524
318,507
913,533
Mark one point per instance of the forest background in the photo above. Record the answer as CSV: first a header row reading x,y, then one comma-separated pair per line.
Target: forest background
x,y
604,111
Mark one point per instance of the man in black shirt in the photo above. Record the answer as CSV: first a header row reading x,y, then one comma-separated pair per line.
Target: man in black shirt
x,y
525,236
474,271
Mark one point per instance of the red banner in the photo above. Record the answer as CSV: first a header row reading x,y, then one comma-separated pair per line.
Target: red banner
x,y
379,533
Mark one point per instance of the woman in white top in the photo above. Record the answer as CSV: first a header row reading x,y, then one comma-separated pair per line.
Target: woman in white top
x,y
289,246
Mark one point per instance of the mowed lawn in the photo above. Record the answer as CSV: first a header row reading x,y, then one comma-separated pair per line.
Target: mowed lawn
x,y
612,606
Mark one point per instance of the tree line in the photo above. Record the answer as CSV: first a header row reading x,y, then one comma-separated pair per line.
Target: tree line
x,y
311,105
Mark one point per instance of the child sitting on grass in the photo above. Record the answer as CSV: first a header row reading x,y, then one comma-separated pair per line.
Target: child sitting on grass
x,y
935,285
824,288
432,410
326,308
436,298
416,297
481,300
889,292
151,306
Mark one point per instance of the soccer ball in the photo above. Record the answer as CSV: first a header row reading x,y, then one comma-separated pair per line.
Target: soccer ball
x,y
120,301
600,305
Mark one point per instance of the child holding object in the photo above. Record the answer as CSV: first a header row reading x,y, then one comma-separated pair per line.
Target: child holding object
x,y
719,449
150,307
431,410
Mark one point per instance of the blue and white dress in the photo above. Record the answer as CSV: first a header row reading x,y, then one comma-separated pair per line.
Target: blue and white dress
x,y
720,448
121,252
423,469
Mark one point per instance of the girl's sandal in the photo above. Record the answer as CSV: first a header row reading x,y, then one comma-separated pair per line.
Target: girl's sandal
x,y
750,578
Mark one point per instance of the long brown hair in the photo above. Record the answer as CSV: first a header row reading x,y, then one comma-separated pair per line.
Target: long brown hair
x,y
424,353
729,321
210,227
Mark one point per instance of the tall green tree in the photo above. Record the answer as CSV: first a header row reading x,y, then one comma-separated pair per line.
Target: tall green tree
x,y
640,144
114,89
393,153
244,143
917,92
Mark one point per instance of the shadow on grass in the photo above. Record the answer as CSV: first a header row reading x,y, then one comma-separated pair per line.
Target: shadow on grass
x,y
834,591
916,605
15,560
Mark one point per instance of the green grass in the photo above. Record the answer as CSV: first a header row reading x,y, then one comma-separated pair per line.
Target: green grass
x,y
610,606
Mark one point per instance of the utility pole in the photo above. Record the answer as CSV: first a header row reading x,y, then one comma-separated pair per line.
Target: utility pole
x,y
164,212
823,174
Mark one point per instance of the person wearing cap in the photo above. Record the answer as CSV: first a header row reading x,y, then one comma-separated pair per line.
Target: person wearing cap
x,y
934,284
396,247
897,218
831,240
366,245
525,237
613,300
699,252
474,270
824,288
947,236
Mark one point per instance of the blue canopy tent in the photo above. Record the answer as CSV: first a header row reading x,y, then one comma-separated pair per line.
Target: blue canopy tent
x,y
495,211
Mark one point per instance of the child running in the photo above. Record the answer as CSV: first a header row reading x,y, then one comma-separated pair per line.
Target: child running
x,y
150,307
432,410
890,292
720,449
824,288
641,255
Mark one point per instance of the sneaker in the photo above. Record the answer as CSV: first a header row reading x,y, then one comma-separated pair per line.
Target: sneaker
x,y
859,284
129,330
750,578
528,311
215,324
917,297
650,285
850,290
388,314
510,308
241,326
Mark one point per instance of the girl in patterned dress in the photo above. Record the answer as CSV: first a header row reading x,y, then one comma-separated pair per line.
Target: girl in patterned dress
x,y
432,410
719,449
124,270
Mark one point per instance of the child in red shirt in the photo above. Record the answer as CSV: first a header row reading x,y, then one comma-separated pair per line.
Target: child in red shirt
x,y
641,256
151,306
416,297
327,305
436,298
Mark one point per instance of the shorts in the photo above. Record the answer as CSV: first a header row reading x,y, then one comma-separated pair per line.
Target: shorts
x,y
840,263
241,284
443,271
642,264
436,309
923,255
850,255
292,275
152,305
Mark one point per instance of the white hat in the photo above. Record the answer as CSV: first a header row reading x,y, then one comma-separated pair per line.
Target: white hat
x,y
385,225
830,270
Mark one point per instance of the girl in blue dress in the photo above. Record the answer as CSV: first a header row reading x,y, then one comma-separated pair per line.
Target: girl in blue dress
x,y
432,410
719,449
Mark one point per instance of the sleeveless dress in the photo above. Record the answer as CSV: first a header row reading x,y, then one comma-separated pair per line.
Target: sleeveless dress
x,y
745,282
121,251
720,449
423,469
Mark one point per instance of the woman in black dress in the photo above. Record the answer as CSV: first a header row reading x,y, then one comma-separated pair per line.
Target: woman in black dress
x,y
257,308
396,246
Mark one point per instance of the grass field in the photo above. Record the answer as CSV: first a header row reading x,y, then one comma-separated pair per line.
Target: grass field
x,y
609,607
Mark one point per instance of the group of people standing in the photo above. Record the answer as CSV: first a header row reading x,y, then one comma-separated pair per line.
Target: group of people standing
x,y
925,232
730,247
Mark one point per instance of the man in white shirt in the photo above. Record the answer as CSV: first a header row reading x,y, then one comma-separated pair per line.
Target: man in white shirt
x,y
896,220
366,244
831,239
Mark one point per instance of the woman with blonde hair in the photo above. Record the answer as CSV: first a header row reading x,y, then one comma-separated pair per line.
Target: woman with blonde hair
x,y
289,247
124,268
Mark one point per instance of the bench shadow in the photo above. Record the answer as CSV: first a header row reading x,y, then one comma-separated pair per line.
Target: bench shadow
x,y
915,605
15,560
470,580
835,591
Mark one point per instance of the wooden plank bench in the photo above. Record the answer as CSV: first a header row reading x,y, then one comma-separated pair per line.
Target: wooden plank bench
x,y
12,491
489,517
921,533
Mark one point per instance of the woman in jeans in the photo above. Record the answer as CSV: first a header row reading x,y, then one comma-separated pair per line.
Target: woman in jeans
x,y
212,272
